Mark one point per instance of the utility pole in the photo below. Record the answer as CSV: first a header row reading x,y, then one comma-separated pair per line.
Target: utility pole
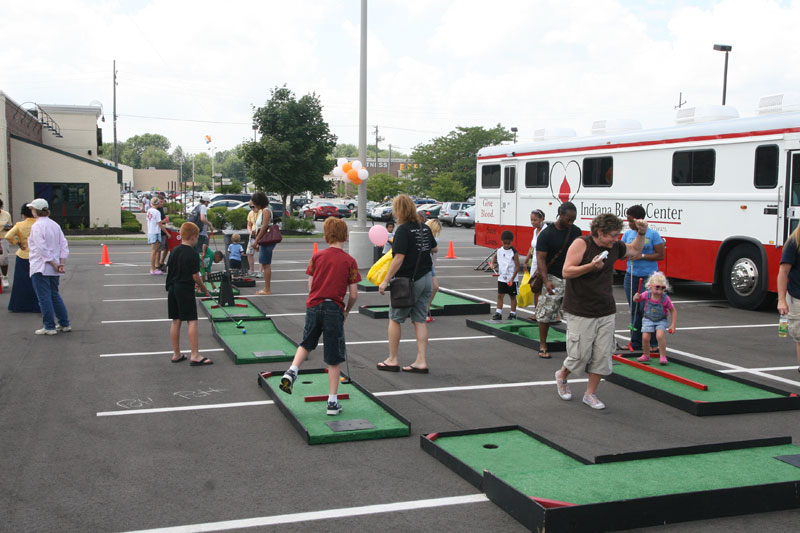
x,y
116,155
377,140
389,167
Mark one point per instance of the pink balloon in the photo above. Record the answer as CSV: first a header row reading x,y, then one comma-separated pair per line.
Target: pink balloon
x,y
378,235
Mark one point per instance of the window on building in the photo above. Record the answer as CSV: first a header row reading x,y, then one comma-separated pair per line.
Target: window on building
x,y
598,172
490,177
695,167
510,179
766,167
537,174
69,202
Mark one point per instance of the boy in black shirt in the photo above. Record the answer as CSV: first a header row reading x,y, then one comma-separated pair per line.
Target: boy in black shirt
x,y
183,274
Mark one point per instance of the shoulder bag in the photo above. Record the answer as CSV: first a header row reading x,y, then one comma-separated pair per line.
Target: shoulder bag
x,y
536,279
402,289
271,236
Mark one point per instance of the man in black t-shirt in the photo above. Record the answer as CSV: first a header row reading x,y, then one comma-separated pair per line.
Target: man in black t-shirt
x,y
551,249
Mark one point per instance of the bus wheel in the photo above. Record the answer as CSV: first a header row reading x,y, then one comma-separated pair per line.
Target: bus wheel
x,y
742,277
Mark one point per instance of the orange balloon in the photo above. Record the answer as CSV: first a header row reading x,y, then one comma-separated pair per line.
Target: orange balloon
x,y
357,181
352,174
346,167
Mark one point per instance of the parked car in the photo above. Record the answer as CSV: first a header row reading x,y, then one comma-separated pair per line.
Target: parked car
x,y
429,210
131,205
449,210
299,203
320,210
466,217
230,196
327,195
382,212
423,201
344,210
226,203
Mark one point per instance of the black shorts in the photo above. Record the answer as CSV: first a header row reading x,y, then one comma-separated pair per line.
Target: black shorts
x,y
236,264
181,304
504,288
326,319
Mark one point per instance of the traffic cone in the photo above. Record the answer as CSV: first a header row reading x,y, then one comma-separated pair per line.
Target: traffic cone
x,y
450,253
316,249
104,259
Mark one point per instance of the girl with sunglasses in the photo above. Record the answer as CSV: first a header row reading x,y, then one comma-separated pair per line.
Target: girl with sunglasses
x,y
657,307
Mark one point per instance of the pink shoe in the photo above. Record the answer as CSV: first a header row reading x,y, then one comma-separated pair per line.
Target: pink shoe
x,y
156,272
662,360
645,358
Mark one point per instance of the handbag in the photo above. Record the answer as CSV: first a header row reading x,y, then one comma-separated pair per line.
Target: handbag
x,y
271,236
525,296
536,280
402,289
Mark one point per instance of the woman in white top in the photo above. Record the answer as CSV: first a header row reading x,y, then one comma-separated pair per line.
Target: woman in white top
x,y
537,221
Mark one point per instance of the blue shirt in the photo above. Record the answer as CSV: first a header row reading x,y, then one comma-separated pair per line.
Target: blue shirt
x,y
642,267
235,251
789,256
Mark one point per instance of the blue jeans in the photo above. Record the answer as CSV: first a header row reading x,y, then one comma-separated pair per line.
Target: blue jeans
x,y
637,309
326,319
50,302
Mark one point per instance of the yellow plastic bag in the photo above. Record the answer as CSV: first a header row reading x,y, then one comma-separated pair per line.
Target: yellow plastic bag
x,y
525,296
379,270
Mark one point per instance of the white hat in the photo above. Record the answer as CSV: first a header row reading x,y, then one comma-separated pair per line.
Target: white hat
x,y
40,204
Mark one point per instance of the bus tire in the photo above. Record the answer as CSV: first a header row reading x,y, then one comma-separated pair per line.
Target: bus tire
x,y
742,277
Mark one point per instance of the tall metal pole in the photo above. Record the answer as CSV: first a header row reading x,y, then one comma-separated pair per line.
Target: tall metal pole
x,y
116,156
725,79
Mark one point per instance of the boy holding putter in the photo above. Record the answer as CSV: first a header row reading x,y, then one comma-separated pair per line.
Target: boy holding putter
x,y
331,273
183,273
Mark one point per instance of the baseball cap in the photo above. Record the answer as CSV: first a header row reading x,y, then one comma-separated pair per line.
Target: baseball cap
x,y
39,203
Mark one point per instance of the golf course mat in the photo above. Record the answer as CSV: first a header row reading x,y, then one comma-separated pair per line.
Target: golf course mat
x,y
215,293
243,282
363,415
243,310
522,332
366,285
548,488
444,304
680,384
258,341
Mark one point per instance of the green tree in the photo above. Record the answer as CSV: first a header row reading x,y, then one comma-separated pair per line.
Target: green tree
x,y
380,186
454,154
155,157
131,151
293,153
345,150
446,188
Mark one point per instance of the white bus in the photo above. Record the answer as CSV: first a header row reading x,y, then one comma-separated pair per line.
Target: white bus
x,y
723,192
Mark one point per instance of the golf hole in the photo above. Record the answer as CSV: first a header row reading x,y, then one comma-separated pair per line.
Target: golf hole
x,y
490,446
306,382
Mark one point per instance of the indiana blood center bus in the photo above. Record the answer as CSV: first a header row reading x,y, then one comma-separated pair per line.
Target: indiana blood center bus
x,y
723,192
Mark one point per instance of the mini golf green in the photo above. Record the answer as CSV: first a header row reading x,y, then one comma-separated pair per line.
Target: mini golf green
x,y
521,332
366,285
444,304
215,292
261,336
236,311
528,330
312,420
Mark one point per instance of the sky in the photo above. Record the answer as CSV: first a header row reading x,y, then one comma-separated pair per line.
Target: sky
x,y
191,69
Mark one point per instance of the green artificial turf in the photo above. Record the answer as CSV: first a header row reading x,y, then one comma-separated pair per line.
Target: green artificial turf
x,y
366,283
261,336
312,415
439,300
528,330
720,389
218,313
215,293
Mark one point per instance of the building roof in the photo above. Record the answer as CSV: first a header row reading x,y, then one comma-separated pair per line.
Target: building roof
x,y
95,110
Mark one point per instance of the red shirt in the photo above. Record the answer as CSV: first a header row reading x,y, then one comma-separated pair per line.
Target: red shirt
x,y
332,271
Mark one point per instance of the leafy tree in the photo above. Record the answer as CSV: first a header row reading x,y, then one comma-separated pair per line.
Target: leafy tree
x,y
293,153
446,188
380,186
454,154
351,150
155,157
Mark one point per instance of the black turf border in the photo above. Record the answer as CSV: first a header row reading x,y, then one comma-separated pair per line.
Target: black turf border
x,y
533,344
262,382
624,514
223,318
476,308
790,401
367,288
267,360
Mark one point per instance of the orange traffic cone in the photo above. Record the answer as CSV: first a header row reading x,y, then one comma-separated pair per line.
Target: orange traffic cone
x,y
104,259
450,253
316,249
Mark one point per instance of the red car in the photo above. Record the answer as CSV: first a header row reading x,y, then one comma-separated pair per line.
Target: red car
x,y
320,210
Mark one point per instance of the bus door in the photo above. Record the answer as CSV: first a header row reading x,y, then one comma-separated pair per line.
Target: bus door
x,y
793,194
508,196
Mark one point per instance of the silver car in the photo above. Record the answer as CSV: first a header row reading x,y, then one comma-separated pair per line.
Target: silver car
x,y
449,211
466,217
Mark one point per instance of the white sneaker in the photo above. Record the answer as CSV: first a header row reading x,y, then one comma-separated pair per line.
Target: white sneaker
x,y
64,329
592,401
45,331
563,388
5,281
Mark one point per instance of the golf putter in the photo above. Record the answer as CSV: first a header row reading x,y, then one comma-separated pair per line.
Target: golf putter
x,y
636,308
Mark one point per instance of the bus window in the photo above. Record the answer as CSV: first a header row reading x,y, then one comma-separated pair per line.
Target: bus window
x,y
510,179
490,177
537,174
766,168
694,167
598,172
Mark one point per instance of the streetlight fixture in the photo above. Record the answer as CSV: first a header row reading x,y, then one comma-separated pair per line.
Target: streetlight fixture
x,y
514,130
724,48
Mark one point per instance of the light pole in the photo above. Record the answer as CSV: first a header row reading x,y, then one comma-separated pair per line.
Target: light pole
x,y
724,48
514,130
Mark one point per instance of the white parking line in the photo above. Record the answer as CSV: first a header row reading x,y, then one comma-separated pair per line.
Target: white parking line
x,y
323,515
184,408
735,326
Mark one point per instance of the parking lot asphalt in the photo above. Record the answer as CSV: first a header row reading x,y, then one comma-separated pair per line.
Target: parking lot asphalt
x,y
100,432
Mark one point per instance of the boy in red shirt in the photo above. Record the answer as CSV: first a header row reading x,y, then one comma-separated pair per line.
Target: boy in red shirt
x,y
330,273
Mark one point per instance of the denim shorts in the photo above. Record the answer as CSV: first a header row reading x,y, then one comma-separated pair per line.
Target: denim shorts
x,y
265,254
648,326
153,238
201,240
423,290
326,319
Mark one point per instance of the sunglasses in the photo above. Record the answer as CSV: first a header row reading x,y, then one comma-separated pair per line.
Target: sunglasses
x,y
662,287
252,207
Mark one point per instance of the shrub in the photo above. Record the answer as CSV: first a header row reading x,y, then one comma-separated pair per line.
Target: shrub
x,y
298,224
176,221
129,222
237,218
173,207
218,216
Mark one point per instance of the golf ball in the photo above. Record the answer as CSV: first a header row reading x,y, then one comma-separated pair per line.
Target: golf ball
x,y
244,332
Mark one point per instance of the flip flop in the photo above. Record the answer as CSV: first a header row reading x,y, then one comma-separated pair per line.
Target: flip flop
x,y
179,359
544,354
388,368
205,361
415,370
